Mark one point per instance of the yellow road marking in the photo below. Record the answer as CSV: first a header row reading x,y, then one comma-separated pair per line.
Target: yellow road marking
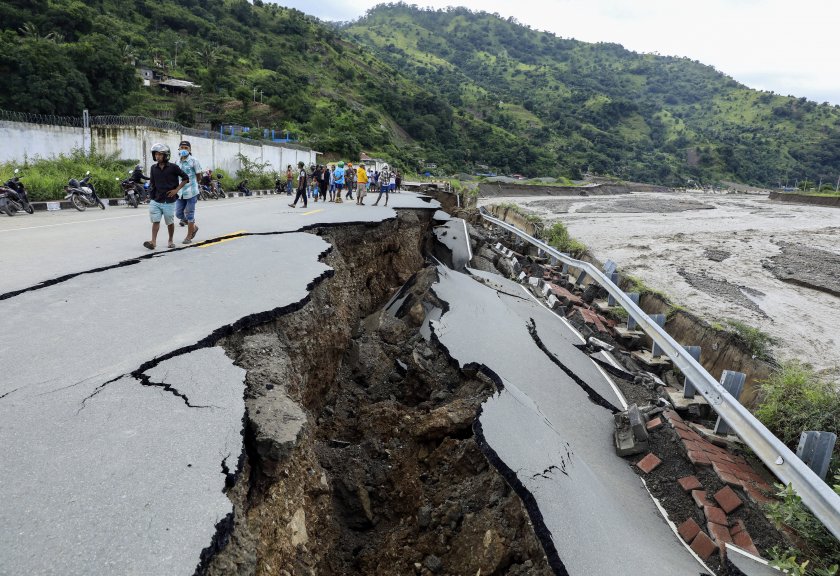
x,y
226,238
313,211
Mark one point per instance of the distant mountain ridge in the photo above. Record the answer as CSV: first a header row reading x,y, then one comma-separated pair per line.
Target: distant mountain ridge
x,y
466,91
602,107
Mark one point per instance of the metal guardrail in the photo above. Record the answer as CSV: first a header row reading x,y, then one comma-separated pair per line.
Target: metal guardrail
x,y
779,459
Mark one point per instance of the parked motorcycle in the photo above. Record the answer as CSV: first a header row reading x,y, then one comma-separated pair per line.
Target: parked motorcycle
x,y
82,194
19,197
129,192
205,192
13,196
10,202
217,186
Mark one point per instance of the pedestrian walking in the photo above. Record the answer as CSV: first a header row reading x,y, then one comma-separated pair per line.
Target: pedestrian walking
x,y
339,182
301,185
361,186
332,184
166,180
289,178
384,185
350,181
188,196
398,181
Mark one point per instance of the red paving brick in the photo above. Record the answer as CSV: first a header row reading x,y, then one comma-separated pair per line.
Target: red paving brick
x,y
757,493
703,546
698,458
700,498
673,416
688,530
737,526
654,424
648,463
689,483
716,515
727,499
719,533
743,540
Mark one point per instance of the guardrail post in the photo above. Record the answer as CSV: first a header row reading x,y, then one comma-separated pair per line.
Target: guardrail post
x,y
734,384
609,267
580,278
688,386
656,351
631,322
815,449
565,268
610,298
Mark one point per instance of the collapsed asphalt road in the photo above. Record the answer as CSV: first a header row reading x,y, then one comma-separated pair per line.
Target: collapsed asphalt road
x,y
120,424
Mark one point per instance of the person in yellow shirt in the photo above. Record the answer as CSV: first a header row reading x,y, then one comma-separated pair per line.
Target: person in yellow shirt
x,y
361,184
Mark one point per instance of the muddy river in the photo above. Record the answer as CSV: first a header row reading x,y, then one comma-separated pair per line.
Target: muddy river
x,y
723,256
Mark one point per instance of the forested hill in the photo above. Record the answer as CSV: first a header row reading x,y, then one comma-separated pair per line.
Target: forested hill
x,y
639,116
466,91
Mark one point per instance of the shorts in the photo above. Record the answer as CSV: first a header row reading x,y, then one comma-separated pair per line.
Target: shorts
x,y
185,209
165,210
339,187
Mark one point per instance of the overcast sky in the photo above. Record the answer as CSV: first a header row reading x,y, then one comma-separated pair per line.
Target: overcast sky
x,y
788,46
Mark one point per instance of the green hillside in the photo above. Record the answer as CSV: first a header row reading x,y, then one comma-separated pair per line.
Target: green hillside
x,y
638,116
466,91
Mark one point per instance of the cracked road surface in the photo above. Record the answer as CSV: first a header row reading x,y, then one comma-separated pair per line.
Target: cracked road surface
x,y
120,420
549,432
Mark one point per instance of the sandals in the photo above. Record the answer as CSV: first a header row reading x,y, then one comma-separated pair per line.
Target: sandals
x,y
149,245
171,245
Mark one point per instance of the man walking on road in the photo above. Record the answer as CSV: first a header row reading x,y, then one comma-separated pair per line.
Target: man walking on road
x,y
301,185
361,184
188,196
384,185
166,181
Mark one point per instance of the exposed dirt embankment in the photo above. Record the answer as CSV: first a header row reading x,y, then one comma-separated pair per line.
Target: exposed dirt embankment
x,y
360,451
512,189
805,199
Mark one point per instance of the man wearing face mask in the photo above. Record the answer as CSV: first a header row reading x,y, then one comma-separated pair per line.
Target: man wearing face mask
x,y
188,195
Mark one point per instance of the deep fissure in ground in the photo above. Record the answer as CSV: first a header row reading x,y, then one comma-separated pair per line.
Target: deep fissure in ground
x,y
361,457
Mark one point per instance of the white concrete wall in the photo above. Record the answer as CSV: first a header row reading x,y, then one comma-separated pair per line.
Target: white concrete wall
x,y
20,140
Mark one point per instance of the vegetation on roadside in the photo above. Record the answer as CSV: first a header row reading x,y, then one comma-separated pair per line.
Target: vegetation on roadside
x,y
636,284
757,341
259,175
558,237
820,551
45,179
795,399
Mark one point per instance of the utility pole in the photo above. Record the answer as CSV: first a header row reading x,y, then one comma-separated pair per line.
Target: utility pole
x,y
175,63
837,186
255,93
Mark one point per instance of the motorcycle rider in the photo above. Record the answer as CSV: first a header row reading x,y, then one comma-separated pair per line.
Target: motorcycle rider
x,y
138,177
188,196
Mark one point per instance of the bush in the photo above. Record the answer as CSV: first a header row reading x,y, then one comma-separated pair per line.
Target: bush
x,y
45,179
257,174
757,342
794,399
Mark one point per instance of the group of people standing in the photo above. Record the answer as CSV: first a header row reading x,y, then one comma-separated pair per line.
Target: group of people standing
x,y
174,188
329,182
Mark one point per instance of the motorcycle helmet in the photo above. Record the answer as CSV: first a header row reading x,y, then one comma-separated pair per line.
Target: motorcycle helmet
x,y
73,183
139,167
163,148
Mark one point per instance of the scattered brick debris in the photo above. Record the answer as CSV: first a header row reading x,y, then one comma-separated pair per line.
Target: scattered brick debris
x,y
703,546
654,424
715,515
689,483
727,499
719,533
743,540
648,463
688,530
700,498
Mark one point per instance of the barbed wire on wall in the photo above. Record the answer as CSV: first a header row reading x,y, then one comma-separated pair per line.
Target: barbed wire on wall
x,y
48,119
129,121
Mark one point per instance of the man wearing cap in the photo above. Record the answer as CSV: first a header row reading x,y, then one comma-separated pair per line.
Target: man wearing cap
x,y
188,195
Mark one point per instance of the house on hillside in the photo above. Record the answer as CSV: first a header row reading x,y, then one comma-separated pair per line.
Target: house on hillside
x,y
175,86
372,164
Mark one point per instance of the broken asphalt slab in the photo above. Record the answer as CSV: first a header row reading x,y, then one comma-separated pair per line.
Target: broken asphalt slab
x,y
552,441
